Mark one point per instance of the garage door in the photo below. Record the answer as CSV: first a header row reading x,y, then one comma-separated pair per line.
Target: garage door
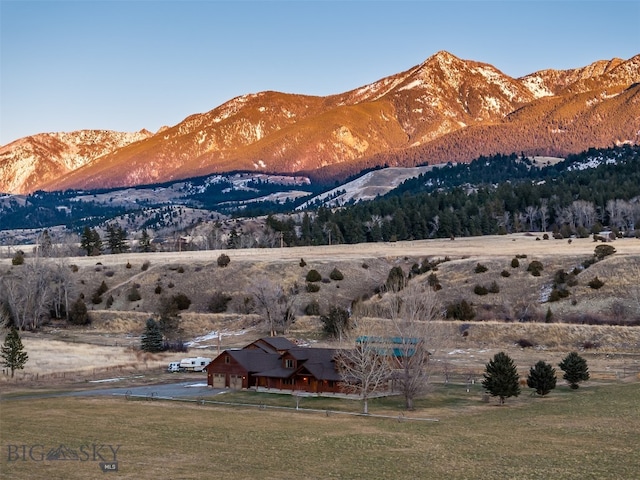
x,y
235,382
218,380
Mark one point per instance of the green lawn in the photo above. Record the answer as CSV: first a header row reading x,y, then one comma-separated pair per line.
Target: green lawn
x,y
593,432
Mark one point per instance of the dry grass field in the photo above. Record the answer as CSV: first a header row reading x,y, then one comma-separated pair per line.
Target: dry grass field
x,y
589,433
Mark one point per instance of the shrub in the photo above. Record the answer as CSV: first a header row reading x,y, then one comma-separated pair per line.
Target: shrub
x,y
535,267
480,290
223,260
365,266
557,294
103,288
545,236
515,263
312,287
560,277
74,268
505,273
336,274
134,295
145,266
171,285
596,283
524,343
302,263
395,280
181,301
480,268
18,258
313,308
180,269
313,276
494,288
602,251
588,345
522,255
174,346
109,301
96,298
219,302
461,310
158,290
128,265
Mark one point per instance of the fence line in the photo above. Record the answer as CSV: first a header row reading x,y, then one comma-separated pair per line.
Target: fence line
x,y
261,406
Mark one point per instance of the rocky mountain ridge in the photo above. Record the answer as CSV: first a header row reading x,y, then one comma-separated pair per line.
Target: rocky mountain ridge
x,y
445,109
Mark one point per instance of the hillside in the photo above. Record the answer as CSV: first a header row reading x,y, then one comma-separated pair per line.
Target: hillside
x,y
365,268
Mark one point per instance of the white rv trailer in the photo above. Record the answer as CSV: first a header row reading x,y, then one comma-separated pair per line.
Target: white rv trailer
x,y
194,364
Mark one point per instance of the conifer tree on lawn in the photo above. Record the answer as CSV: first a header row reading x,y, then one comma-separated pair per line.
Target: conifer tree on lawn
x,y
542,377
152,337
501,377
575,369
13,355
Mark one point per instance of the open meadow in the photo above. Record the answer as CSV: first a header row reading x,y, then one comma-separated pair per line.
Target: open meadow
x,y
589,433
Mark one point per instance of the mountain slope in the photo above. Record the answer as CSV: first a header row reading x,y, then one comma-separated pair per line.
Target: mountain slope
x,y
30,162
445,109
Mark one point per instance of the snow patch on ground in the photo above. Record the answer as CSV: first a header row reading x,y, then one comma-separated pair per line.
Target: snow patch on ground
x,y
201,342
116,379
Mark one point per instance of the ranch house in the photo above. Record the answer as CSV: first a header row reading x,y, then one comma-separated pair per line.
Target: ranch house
x,y
276,363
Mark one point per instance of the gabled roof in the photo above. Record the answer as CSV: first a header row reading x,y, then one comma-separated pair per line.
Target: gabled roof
x,y
272,344
254,360
319,362
322,370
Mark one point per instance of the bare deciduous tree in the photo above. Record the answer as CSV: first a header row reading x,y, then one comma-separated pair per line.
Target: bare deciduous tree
x,y
364,365
28,294
276,305
413,311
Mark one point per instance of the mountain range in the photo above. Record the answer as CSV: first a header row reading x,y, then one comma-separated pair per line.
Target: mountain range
x,y
444,110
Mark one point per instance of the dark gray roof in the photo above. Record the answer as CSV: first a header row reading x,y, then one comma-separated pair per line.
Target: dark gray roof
x,y
273,344
255,360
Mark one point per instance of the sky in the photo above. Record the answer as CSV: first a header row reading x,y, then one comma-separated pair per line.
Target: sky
x,y
127,65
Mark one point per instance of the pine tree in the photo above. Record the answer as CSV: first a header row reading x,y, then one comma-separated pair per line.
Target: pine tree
x,y
501,377
542,377
145,241
575,369
13,355
91,242
152,337
78,314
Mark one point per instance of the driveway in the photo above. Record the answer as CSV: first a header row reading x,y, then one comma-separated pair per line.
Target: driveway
x,y
187,390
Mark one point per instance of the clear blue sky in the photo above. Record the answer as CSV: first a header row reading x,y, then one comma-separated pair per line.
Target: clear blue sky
x,y
127,65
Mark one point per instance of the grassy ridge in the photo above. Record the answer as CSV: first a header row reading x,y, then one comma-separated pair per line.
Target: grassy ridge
x,y
589,433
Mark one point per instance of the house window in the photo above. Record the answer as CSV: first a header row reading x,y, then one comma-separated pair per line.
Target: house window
x,y
289,363
287,381
227,359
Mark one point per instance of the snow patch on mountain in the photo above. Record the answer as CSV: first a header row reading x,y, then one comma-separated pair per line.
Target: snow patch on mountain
x,y
367,187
